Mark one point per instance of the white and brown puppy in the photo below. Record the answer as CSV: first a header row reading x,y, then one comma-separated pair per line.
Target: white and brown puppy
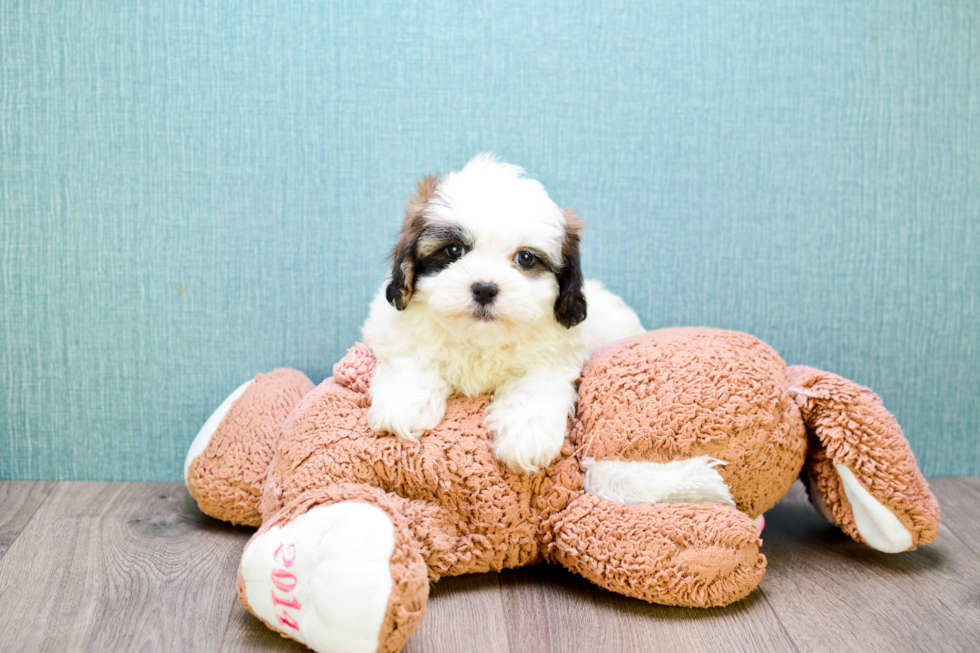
x,y
486,296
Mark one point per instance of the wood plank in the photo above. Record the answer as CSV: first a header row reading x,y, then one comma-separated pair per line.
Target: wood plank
x,y
19,500
119,567
465,613
959,505
834,595
245,633
552,610
124,566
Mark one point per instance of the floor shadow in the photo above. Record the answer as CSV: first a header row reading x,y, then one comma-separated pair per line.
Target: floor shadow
x,y
794,528
550,578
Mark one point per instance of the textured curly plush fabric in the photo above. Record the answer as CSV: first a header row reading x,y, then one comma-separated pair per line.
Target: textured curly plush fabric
x,y
226,479
686,392
468,513
689,554
667,396
849,426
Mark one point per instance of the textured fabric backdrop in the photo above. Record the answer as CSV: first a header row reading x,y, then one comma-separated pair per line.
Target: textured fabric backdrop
x,y
193,192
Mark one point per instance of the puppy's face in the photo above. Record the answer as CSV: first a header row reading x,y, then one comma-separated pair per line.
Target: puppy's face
x,y
486,249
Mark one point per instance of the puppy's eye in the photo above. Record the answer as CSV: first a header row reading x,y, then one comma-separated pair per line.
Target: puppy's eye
x,y
525,259
454,251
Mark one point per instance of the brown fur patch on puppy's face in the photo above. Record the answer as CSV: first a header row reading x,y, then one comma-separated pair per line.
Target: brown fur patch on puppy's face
x,y
404,255
570,306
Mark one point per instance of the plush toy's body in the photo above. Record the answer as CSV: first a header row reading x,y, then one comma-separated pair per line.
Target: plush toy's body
x,y
682,439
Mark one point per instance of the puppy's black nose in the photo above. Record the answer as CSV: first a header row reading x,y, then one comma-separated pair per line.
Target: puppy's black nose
x,y
484,292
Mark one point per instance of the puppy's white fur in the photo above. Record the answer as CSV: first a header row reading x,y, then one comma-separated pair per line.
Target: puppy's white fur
x,y
443,342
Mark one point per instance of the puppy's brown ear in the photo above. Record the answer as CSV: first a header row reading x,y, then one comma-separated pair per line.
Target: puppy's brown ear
x,y
405,253
570,307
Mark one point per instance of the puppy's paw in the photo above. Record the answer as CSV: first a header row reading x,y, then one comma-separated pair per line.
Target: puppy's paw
x,y
526,438
407,413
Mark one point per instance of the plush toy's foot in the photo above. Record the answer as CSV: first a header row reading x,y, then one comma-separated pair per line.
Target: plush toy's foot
x,y
688,554
336,576
228,459
203,437
861,473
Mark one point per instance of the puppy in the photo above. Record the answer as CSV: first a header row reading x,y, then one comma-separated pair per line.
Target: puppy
x,y
486,296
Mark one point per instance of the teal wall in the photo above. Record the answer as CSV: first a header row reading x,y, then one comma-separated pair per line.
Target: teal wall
x,y
193,192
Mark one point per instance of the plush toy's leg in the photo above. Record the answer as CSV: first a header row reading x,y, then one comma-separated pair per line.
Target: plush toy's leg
x,y
228,459
687,554
860,472
338,569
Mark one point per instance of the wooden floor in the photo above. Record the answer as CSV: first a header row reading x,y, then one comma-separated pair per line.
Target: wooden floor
x,y
136,567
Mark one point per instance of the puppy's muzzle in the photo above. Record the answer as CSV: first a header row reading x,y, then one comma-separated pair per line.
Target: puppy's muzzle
x,y
483,293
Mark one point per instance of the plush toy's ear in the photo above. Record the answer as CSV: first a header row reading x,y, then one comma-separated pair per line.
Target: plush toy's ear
x,y
860,471
405,252
570,306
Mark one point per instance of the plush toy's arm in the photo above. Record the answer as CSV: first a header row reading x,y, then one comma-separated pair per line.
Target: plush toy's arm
x,y
687,554
860,472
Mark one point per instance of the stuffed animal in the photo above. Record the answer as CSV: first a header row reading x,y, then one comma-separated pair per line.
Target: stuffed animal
x,y
682,439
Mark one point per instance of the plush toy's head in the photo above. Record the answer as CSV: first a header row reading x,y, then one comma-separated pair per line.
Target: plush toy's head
x,y
711,407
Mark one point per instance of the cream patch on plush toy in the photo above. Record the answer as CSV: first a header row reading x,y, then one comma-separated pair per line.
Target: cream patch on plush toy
x,y
677,481
878,526
324,578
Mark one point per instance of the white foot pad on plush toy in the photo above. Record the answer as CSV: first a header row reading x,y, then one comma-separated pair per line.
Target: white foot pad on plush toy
x,y
325,577
203,437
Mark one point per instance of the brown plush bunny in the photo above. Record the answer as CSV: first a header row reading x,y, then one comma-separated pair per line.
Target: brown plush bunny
x,y
682,440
